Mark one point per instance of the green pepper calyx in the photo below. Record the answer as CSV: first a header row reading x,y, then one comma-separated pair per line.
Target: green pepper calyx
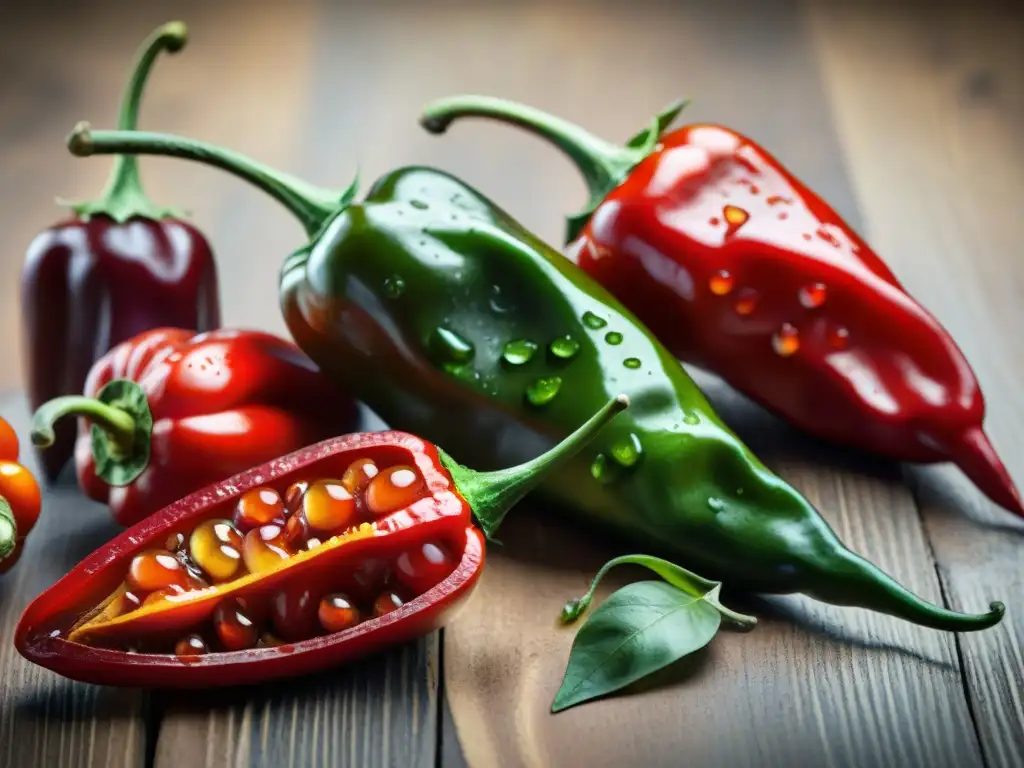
x,y
123,198
121,428
604,165
492,494
8,529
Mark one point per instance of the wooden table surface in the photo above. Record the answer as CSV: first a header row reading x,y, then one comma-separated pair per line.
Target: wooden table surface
x,y
906,116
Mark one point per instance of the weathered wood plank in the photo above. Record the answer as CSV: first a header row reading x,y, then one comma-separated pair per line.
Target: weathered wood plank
x,y
935,157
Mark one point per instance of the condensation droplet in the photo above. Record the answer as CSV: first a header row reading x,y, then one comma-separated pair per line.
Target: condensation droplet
x,y
632,362
593,322
746,302
786,340
691,418
452,347
613,337
627,451
394,286
813,295
838,337
735,218
419,204
544,390
519,351
721,282
564,347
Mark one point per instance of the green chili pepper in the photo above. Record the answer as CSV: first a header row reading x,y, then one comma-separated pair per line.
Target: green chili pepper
x,y
447,318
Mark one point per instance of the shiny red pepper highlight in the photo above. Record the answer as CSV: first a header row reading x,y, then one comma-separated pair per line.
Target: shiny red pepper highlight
x,y
160,606
739,268
170,411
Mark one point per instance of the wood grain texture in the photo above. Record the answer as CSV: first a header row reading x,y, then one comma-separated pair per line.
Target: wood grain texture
x,y
46,719
947,123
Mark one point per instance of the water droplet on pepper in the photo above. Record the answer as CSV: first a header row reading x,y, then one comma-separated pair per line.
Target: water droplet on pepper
x,y
746,302
564,347
813,295
721,282
692,419
786,340
735,218
593,321
452,347
543,390
627,451
632,362
519,351
419,204
599,468
838,337
613,337
394,286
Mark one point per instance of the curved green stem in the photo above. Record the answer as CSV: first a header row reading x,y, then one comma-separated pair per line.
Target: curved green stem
x,y
123,197
677,576
604,165
311,205
118,424
492,494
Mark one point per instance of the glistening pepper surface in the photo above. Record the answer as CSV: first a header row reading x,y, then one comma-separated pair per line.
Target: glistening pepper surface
x,y
120,266
740,268
426,300
203,594
169,411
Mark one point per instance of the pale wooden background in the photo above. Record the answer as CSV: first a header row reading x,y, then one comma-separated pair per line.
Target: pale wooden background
x,y
906,116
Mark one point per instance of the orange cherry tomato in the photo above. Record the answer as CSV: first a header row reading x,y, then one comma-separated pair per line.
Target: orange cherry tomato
x,y
8,442
20,489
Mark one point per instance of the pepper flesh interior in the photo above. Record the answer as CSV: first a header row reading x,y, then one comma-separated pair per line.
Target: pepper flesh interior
x,y
233,584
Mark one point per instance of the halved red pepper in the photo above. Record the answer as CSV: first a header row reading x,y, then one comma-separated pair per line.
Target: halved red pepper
x,y
340,549
172,411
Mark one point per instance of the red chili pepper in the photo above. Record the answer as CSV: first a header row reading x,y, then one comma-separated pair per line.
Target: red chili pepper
x,y
370,543
741,269
172,412
120,266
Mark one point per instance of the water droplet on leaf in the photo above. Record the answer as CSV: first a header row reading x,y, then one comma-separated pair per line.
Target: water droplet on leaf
x,y
632,362
613,337
543,390
593,321
519,351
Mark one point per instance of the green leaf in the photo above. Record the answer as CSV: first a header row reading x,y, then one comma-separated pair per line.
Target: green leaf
x,y
638,630
684,580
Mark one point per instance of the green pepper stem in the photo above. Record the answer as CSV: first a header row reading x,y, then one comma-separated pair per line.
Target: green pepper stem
x,y
311,205
118,424
123,196
492,494
604,165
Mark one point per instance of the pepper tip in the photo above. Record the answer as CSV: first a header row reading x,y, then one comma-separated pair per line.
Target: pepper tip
x,y
80,139
42,438
435,123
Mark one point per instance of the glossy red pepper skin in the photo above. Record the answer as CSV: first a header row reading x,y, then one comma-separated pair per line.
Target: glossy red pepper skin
x,y
739,268
444,513
221,402
120,265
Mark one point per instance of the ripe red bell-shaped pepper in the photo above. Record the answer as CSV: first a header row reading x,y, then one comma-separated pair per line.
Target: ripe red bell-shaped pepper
x,y
739,268
120,266
338,550
168,412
